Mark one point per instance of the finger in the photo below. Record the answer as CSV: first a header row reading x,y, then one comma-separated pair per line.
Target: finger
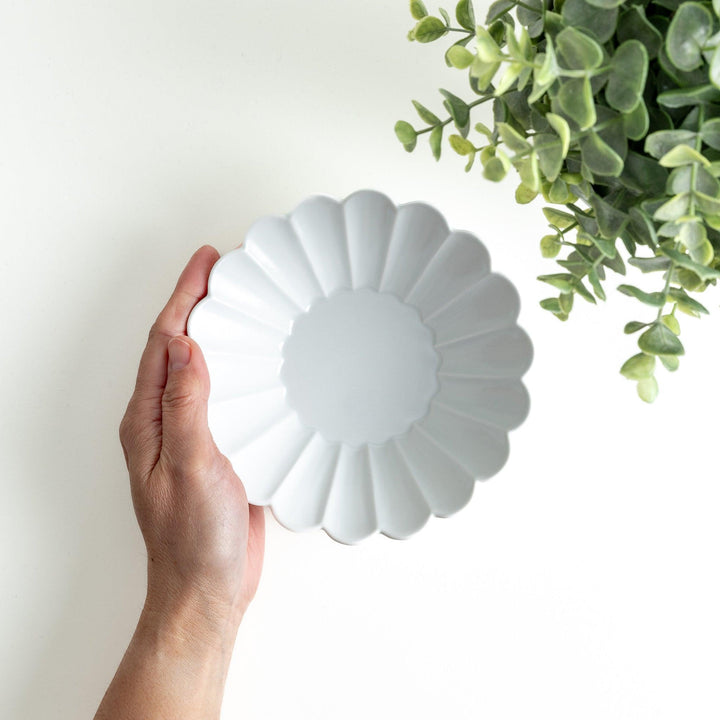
x,y
187,446
255,548
172,321
141,428
256,533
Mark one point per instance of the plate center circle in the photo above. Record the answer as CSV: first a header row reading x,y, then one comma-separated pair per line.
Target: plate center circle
x,y
360,367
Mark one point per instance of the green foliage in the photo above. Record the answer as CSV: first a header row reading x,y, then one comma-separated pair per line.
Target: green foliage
x,y
611,112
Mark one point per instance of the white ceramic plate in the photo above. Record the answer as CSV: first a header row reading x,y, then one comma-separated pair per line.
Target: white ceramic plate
x,y
365,365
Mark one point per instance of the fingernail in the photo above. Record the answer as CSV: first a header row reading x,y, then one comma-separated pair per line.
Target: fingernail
x,y
178,353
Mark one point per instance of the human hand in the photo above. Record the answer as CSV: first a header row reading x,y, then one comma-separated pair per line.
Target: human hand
x,y
205,543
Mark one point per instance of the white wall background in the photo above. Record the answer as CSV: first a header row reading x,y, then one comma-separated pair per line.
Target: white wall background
x,y
580,582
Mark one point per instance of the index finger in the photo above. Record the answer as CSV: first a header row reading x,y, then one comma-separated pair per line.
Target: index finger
x,y
190,289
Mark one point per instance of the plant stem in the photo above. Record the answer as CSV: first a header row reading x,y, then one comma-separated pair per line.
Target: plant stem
x,y
576,209
528,7
480,101
432,127
691,210
473,104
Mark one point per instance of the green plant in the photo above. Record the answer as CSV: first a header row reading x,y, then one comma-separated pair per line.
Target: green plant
x,y
611,111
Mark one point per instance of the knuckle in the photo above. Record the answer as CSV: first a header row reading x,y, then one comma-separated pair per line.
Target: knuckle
x,y
178,398
221,465
182,463
124,431
156,331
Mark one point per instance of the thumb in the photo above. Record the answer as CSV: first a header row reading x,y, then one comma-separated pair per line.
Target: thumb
x,y
186,439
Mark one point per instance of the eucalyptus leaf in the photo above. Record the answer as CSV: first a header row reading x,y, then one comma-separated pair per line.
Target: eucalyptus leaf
x,y
550,246
549,69
487,48
583,292
429,29
627,76
687,279
634,326
598,22
425,115
637,121
418,9
610,220
406,134
498,8
529,172
671,323
706,203
638,366
606,247
702,253
674,208
682,260
482,73
459,111
483,130
576,99
551,304
662,142
587,222
606,3
643,226
686,304
550,154
524,194
710,133
599,157
610,111
576,264
566,302
692,177
634,25
530,14
558,218
459,57
578,51
653,264
655,299
683,97
511,74
494,169
562,281
595,284
558,192
682,155
642,174
513,139
460,145
659,340
465,15
670,362
671,229
647,389
436,141
560,126
516,102
689,30
693,235
714,73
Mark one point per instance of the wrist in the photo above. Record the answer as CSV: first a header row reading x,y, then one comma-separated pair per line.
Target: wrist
x,y
189,618
176,663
